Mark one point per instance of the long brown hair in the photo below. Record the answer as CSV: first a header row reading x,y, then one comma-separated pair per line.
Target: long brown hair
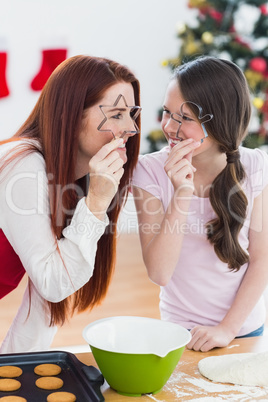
x,y
220,87
55,122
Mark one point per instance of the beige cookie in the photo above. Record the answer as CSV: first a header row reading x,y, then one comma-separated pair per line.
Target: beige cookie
x,y
10,371
47,369
12,398
8,384
61,397
49,382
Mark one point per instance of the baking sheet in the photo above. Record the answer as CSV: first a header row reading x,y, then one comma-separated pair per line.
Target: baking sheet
x,y
82,380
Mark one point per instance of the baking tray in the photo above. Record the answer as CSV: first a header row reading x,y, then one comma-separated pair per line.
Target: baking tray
x,y
82,380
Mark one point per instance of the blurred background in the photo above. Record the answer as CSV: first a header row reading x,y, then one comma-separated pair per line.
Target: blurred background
x,y
139,34
151,38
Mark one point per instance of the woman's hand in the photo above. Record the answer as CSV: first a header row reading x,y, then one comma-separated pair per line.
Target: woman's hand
x,y
179,166
105,172
206,338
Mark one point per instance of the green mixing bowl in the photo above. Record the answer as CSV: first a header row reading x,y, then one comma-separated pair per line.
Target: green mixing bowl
x,y
136,355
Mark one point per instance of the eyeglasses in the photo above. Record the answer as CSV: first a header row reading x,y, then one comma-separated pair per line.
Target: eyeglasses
x,y
119,118
190,113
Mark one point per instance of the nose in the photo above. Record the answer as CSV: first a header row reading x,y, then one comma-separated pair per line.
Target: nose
x,y
127,134
173,126
129,128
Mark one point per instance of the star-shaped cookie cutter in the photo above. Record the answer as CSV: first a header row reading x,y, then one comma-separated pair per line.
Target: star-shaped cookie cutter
x,y
120,105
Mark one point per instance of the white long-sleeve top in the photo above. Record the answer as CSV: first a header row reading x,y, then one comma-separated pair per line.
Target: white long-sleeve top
x,y
55,274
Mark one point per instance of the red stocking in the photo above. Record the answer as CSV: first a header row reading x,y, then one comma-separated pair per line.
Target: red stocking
x,y
50,60
4,91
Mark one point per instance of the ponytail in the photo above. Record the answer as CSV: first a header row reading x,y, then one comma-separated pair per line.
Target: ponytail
x,y
230,205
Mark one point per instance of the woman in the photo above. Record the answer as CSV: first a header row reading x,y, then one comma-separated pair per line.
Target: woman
x,y
63,182
199,200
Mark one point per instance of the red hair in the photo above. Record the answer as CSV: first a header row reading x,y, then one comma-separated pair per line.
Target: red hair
x,y
75,85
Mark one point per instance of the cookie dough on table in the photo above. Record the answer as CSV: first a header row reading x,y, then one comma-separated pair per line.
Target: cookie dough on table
x,y
249,369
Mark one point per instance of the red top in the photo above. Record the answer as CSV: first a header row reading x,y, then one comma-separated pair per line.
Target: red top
x,y
11,268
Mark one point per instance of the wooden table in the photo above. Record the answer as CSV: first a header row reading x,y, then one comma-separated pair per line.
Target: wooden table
x,y
186,383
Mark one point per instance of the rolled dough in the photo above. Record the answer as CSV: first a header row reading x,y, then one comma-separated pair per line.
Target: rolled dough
x,y
242,369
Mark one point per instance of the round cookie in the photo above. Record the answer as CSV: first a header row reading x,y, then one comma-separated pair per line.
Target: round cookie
x,y
13,398
8,384
49,382
10,371
61,397
47,369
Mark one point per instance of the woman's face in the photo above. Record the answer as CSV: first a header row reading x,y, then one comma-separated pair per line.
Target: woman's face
x,y
116,118
178,121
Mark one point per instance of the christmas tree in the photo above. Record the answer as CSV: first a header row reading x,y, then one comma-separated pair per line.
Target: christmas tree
x,y
231,29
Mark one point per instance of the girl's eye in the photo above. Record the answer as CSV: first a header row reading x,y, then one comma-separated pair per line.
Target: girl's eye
x,y
186,118
166,111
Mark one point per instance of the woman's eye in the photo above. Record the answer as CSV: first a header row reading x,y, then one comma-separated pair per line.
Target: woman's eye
x,y
117,116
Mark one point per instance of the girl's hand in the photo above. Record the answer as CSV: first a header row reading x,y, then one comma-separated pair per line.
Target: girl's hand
x,y
179,166
206,338
105,172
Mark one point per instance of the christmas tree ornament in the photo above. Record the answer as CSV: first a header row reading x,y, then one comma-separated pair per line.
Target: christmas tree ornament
x,y
207,38
51,58
157,135
171,63
258,64
4,90
164,63
264,9
258,102
181,28
254,78
197,3
215,14
192,48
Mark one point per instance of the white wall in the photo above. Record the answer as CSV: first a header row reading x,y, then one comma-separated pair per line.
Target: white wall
x,y
137,33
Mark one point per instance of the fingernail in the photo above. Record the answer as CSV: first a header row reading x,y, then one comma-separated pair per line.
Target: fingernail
x,y
196,143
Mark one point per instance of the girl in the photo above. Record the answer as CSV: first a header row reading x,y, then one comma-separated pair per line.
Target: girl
x,y
203,230
62,185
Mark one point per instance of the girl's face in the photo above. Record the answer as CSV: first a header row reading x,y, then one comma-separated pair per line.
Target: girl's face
x,y
178,121
91,139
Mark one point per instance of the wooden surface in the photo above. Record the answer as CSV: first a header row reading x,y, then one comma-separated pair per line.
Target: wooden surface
x,y
186,383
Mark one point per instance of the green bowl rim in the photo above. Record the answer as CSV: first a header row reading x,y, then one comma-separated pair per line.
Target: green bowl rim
x,y
135,317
